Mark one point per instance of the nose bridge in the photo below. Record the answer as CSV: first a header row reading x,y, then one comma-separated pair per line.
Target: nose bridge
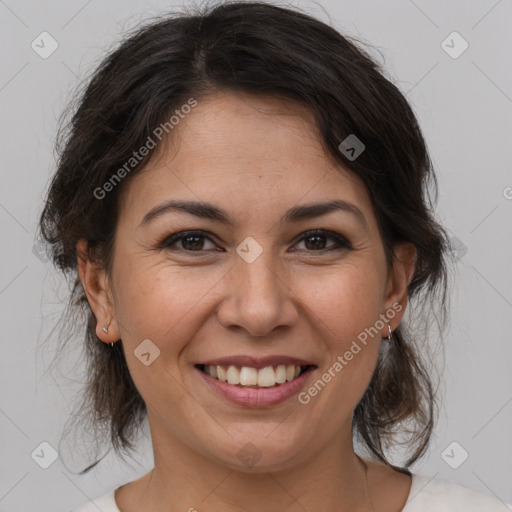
x,y
259,297
258,279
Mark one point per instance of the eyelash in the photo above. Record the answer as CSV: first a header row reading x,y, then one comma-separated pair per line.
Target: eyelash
x,y
342,243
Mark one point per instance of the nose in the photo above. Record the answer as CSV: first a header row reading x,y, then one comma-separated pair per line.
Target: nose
x,y
258,298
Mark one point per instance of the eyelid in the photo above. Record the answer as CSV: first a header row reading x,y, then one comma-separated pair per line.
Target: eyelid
x,y
170,240
341,241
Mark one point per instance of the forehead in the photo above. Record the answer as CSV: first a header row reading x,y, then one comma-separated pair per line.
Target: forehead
x,y
246,151
227,127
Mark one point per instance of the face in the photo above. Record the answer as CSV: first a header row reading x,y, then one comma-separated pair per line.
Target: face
x,y
277,285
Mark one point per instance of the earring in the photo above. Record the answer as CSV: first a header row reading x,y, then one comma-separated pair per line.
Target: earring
x,y
105,330
390,332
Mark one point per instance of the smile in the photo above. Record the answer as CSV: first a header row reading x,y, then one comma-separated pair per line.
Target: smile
x,y
266,383
246,376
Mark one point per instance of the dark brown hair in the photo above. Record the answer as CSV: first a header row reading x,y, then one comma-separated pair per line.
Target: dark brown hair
x,y
261,49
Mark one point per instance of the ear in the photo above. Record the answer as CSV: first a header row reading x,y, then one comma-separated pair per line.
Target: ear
x,y
97,288
401,274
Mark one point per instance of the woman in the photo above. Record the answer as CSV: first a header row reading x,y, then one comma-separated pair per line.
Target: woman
x,y
242,203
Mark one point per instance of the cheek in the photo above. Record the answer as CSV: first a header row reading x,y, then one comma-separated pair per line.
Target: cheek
x,y
166,306
345,300
344,307
162,303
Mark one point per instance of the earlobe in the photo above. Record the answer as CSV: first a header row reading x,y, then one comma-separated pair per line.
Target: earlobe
x,y
97,289
402,272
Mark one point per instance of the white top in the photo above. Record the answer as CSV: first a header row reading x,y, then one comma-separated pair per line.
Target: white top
x,y
427,494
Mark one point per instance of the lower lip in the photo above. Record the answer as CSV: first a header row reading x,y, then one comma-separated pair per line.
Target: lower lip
x,y
256,397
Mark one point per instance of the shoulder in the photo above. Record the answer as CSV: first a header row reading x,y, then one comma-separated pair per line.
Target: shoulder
x,y
432,493
105,503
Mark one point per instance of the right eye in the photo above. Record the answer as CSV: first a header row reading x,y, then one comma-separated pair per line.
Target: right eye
x,y
191,241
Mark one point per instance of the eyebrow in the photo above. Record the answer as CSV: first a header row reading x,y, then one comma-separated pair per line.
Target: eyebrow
x,y
209,211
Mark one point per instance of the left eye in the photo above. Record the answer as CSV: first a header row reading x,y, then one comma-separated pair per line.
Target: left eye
x,y
319,237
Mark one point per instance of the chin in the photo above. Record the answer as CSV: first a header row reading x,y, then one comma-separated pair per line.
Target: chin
x,y
262,453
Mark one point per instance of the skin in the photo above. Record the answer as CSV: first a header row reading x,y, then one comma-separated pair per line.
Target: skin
x,y
254,157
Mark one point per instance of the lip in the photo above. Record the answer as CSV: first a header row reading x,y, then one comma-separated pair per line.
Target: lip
x,y
257,397
256,362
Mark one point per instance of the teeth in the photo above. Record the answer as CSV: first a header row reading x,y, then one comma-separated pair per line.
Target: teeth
x,y
281,374
233,375
246,376
266,377
221,373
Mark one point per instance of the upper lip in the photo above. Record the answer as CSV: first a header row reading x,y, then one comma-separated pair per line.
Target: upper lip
x,y
256,362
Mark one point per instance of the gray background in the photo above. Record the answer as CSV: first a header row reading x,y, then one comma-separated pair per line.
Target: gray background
x,y
464,105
